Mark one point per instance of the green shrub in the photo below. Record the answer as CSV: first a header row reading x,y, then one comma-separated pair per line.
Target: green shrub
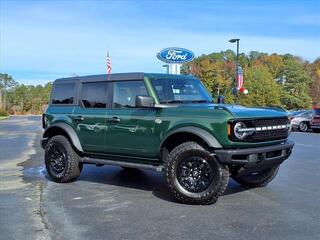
x,y
3,113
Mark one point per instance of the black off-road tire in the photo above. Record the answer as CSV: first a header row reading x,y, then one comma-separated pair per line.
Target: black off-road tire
x,y
209,195
73,166
258,180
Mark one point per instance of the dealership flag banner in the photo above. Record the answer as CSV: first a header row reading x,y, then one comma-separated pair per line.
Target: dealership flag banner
x,y
239,77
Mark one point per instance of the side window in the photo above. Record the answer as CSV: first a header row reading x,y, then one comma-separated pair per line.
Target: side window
x,y
125,92
63,93
94,94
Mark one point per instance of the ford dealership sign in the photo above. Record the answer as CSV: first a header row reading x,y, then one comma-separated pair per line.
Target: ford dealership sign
x,y
175,55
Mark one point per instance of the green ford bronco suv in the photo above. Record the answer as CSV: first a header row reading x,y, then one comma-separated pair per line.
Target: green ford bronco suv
x,y
163,122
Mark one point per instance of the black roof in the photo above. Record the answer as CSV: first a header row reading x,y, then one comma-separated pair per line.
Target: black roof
x,y
120,77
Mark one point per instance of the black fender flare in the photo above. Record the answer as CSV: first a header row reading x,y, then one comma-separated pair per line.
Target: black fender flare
x,y
69,131
203,134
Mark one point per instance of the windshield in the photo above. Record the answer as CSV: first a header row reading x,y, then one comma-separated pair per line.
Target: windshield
x,y
181,91
304,114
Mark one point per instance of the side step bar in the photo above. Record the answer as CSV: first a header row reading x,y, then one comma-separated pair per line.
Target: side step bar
x,y
158,168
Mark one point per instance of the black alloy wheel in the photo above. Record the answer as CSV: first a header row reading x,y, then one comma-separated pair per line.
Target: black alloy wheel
x,y
58,157
195,174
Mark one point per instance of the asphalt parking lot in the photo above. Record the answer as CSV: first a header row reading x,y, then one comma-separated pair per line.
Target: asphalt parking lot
x,y
112,203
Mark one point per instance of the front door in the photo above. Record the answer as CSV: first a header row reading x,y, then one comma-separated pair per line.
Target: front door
x,y
130,130
89,118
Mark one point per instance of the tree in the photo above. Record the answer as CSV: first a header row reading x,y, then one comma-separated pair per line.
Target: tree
x,y
315,83
296,84
275,65
23,98
263,90
271,79
7,83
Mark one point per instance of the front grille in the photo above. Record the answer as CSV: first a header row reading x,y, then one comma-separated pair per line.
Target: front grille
x,y
267,135
268,122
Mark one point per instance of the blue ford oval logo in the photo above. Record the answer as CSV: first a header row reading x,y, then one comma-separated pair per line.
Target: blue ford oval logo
x,y
175,55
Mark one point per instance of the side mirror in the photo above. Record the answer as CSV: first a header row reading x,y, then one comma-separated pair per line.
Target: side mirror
x,y
143,101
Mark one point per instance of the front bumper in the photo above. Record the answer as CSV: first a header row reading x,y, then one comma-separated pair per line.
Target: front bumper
x,y
253,159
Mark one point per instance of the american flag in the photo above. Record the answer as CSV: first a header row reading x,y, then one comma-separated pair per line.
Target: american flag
x,y
239,77
109,64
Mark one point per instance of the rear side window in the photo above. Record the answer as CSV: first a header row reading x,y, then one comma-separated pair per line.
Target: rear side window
x,y
125,92
94,95
63,93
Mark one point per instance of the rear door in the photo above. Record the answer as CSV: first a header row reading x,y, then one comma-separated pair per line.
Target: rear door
x,y
130,130
89,116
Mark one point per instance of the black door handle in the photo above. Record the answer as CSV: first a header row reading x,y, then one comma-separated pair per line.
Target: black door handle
x,y
78,118
113,119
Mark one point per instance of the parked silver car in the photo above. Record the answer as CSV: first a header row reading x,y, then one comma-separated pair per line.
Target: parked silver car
x,y
302,121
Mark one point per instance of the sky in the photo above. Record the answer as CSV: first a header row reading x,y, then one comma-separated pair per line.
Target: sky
x,y
41,41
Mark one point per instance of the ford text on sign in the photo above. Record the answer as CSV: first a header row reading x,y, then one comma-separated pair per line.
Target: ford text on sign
x,y
175,55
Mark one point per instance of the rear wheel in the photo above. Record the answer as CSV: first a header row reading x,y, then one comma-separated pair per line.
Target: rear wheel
x,y
258,179
303,127
62,162
194,176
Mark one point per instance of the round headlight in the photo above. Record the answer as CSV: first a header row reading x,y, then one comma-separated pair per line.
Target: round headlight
x,y
237,130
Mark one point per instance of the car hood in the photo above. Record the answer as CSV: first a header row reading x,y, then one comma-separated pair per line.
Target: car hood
x,y
238,111
300,119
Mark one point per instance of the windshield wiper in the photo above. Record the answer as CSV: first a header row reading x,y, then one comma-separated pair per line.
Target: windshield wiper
x,y
173,101
186,101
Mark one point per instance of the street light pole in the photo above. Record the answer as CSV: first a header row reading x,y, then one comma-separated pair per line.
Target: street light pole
x,y
237,41
238,52
234,90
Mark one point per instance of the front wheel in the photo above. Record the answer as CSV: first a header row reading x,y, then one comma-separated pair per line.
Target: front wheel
x,y
258,179
62,162
193,176
303,127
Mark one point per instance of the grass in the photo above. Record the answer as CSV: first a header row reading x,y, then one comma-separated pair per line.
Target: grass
x,y
4,117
